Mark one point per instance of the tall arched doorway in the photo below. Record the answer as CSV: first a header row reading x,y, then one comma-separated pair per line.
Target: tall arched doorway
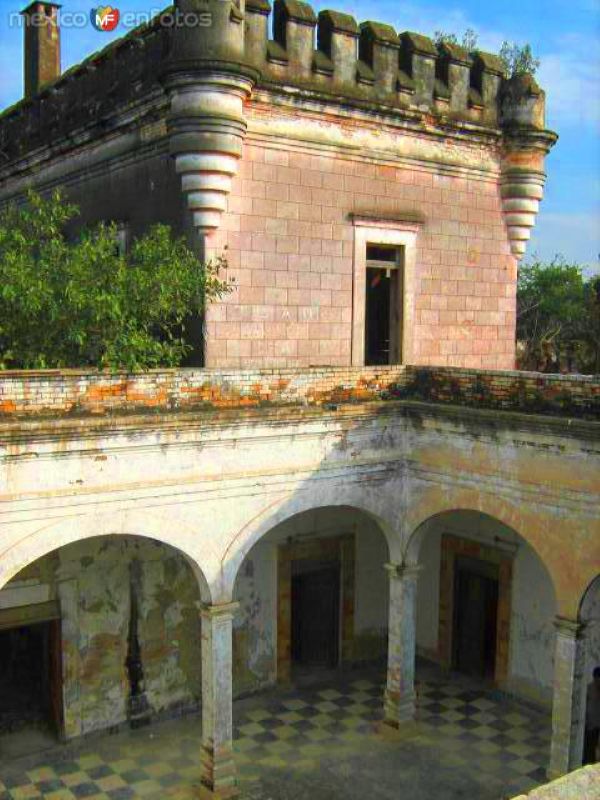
x,y
486,604
313,595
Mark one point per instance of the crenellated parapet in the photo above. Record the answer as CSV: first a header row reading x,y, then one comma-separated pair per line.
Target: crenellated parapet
x,y
330,52
199,77
371,63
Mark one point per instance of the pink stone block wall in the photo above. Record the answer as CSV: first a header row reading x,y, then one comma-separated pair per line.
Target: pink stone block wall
x,y
290,245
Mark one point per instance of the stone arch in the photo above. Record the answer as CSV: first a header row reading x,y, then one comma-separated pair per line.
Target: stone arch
x,y
589,615
524,616
343,538
59,533
291,505
593,587
416,538
551,536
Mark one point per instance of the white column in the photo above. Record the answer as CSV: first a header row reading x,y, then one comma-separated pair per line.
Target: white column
x,y
399,700
568,708
218,767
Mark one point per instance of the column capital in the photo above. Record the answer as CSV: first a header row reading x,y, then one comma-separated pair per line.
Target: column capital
x,y
403,571
570,628
219,610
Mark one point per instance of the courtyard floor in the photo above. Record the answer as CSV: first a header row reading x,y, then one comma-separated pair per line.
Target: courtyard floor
x,y
323,741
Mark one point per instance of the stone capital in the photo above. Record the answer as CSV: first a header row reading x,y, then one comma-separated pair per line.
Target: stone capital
x,y
403,571
569,628
220,610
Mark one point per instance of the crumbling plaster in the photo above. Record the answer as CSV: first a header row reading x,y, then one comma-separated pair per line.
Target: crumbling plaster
x,y
533,606
90,580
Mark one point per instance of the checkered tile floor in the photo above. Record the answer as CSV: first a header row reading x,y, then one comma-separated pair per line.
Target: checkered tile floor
x,y
462,733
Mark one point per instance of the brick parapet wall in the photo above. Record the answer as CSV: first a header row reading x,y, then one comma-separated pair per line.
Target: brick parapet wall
x,y
56,393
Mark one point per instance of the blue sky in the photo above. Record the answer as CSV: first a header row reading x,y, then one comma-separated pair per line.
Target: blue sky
x,y
564,35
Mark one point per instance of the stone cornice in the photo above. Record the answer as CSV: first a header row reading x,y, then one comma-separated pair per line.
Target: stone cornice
x,y
51,428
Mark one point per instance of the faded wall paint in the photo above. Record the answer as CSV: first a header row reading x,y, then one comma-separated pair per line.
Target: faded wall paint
x,y
255,625
91,580
533,609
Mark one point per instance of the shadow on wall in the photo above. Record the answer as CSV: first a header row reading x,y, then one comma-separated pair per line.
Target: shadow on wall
x,y
287,587
373,498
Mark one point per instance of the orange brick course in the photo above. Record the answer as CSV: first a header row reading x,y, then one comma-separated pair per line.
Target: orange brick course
x,y
63,392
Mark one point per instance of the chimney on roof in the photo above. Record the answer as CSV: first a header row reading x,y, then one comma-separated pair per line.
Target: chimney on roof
x,y
42,46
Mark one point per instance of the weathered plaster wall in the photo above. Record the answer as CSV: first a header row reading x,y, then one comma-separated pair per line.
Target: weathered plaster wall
x,y
91,581
255,625
590,613
533,607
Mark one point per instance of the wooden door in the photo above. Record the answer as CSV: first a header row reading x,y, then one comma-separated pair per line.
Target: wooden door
x,y
315,617
476,608
377,317
55,675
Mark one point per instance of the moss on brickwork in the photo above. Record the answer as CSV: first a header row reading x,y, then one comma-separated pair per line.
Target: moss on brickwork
x,y
530,394
78,395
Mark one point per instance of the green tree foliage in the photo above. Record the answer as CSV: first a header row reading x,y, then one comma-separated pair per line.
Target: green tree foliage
x,y
468,41
518,59
83,303
558,318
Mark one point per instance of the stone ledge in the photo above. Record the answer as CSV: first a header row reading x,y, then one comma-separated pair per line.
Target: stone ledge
x,y
583,784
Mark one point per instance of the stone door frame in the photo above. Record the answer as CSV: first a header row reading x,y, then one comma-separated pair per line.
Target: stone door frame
x,y
378,231
337,549
452,547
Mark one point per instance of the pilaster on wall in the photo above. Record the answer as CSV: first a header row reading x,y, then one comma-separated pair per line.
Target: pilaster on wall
x,y
568,708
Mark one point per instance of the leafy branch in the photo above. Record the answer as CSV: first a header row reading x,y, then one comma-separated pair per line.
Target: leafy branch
x,y
84,303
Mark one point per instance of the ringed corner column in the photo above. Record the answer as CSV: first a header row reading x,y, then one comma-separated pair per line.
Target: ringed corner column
x,y
400,697
218,766
207,80
526,143
568,706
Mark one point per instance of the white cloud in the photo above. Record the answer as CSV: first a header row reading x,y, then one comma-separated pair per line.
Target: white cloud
x,y
576,236
571,76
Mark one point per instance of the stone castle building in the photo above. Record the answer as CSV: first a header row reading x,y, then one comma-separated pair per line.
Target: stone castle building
x,y
353,475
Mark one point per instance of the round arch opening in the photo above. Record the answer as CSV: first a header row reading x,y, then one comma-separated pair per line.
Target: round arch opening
x,y
486,603
313,595
98,633
589,615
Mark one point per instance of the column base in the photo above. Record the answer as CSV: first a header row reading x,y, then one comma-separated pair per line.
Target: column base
x,y
218,773
398,708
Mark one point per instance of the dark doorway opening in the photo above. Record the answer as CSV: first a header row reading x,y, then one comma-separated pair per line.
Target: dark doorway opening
x,y
475,617
30,678
315,615
383,306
